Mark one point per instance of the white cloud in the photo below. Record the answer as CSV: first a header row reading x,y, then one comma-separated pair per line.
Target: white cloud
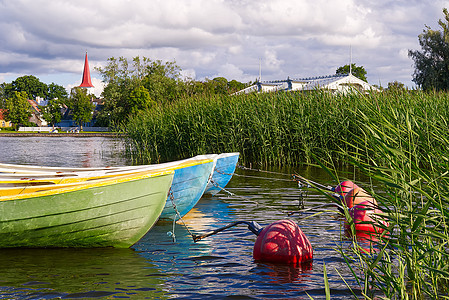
x,y
188,74
230,71
206,37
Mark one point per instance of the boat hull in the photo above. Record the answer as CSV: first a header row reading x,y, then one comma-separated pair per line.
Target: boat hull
x,y
223,171
114,214
191,177
189,184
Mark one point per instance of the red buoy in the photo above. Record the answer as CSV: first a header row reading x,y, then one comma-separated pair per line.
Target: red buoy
x,y
345,186
366,219
358,195
282,242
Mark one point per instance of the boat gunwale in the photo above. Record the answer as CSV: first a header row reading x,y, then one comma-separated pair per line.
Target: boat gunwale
x,y
34,183
72,187
107,171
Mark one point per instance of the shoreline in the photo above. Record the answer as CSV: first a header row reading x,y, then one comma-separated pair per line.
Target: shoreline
x,y
62,134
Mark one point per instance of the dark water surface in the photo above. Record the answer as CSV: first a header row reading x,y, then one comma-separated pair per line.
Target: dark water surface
x,y
164,266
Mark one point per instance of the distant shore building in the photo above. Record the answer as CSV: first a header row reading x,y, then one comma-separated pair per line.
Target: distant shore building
x,y
4,123
36,114
333,83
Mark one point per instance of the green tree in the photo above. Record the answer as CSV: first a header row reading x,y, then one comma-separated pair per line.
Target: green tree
x,y
137,86
56,91
29,84
3,96
139,99
432,63
220,85
18,109
81,105
396,86
358,72
52,111
57,97
235,86
162,80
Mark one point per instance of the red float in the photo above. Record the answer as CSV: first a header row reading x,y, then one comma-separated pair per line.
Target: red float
x,y
344,187
358,195
366,219
282,242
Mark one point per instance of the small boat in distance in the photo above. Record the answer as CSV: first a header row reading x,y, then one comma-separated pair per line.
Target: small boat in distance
x,y
108,212
224,169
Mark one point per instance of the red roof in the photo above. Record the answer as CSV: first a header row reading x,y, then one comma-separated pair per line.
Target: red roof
x,y
86,75
34,105
1,114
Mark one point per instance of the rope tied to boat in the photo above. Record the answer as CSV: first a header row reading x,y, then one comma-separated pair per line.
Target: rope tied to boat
x,y
269,178
172,233
223,173
260,170
252,225
221,188
265,171
303,194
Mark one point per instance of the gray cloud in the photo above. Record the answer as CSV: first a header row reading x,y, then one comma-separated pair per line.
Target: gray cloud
x,y
209,38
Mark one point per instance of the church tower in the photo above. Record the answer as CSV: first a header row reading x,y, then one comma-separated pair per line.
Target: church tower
x,y
86,83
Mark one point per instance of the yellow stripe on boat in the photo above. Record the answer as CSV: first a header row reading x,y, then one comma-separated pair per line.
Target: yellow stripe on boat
x,y
39,191
26,186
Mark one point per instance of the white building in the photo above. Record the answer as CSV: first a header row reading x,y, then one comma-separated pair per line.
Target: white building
x,y
334,83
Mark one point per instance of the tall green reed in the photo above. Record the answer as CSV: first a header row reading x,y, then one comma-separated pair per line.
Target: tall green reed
x,y
403,145
267,129
399,139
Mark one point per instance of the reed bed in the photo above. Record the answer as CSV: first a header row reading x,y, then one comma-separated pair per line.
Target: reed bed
x,y
399,139
403,146
267,129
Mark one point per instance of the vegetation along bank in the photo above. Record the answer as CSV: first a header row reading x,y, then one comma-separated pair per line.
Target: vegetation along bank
x,y
400,139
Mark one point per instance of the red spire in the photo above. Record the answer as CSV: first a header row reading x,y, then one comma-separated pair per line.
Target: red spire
x,y
87,83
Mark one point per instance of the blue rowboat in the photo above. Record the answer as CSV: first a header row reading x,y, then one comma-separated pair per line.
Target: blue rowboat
x,y
189,183
225,164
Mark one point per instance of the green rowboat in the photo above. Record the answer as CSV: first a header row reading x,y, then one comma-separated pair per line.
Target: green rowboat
x,y
112,212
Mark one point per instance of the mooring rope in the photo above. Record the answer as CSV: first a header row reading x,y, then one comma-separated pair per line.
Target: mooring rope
x,y
268,178
302,183
221,172
172,233
265,171
222,188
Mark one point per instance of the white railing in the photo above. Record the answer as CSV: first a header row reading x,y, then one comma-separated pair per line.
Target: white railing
x,y
64,129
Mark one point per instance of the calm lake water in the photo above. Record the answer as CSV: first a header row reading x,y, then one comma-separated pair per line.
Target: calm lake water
x,y
160,267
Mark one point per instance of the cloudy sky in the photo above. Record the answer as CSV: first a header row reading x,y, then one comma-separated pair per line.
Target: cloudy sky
x,y
211,38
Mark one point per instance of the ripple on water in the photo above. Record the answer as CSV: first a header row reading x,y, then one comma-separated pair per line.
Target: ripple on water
x,y
158,267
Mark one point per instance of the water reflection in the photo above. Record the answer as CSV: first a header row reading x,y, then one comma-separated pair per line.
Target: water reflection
x,y
282,273
63,151
220,266
76,273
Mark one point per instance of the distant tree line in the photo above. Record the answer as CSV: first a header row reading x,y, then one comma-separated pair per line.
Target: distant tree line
x,y
134,86
130,88
14,100
137,85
